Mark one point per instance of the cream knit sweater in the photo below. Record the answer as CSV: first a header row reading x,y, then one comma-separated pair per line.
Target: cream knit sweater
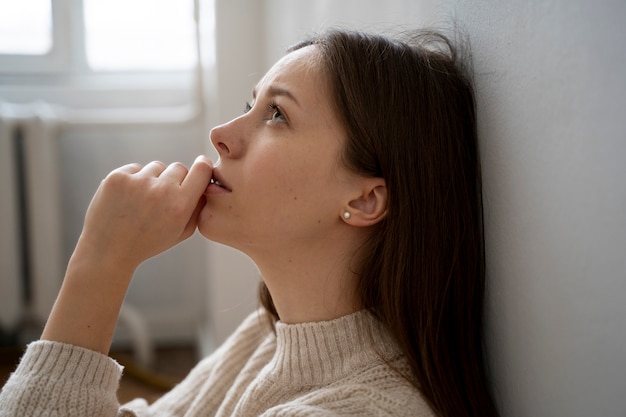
x,y
331,368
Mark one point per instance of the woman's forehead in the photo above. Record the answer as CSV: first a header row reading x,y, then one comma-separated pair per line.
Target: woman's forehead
x,y
296,69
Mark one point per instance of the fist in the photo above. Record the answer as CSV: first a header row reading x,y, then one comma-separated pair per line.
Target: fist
x,y
140,211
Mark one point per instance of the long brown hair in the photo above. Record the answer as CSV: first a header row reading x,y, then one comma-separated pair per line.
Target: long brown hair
x,y
409,112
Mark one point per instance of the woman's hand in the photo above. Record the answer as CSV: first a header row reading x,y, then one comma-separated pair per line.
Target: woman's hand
x,y
136,213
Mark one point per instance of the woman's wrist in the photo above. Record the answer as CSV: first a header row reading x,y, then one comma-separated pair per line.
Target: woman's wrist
x,y
87,308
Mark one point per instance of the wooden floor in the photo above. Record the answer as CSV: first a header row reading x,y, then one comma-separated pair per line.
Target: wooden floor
x,y
171,365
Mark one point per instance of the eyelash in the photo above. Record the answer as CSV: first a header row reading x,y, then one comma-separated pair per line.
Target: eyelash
x,y
272,108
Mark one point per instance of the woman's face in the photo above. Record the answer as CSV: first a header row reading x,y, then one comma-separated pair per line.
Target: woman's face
x,y
280,163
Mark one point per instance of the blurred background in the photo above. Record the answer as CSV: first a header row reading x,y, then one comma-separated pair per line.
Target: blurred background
x,y
88,85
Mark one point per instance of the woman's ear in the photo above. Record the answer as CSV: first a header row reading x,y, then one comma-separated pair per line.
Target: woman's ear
x,y
370,206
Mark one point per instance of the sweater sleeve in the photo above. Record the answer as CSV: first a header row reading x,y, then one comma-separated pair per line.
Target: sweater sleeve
x,y
56,379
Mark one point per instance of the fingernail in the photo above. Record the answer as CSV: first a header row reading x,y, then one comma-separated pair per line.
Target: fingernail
x,y
203,158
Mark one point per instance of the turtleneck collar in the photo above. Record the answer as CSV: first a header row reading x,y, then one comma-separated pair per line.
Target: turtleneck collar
x,y
318,353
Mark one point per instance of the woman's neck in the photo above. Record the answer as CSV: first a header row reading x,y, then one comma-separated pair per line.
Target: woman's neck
x,y
311,282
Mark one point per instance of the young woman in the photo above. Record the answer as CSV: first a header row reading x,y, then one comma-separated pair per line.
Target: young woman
x,y
353,182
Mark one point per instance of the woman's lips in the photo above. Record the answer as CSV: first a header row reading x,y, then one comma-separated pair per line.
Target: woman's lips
x,y
213,189
217,185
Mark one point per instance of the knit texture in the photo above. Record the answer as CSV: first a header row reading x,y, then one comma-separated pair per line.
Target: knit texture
x,y
55,379
344,367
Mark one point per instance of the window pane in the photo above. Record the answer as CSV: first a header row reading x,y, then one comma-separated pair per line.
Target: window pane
x,y
124,35
25,27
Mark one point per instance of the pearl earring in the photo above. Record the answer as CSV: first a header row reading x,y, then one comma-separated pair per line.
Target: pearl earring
x,y
346,215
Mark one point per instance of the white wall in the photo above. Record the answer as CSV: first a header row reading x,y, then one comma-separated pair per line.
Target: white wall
x,y
551,97
550,80
289,21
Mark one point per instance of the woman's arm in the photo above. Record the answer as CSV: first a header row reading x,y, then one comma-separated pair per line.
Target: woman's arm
x,y
136,213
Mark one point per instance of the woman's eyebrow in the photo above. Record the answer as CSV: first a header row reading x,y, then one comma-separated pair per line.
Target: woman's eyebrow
x,y
273,91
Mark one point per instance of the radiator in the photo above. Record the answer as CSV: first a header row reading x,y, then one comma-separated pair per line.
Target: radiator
x,y
31,255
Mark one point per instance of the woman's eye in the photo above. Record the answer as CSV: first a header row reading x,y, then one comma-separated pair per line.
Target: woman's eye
x,y
277,115
274,112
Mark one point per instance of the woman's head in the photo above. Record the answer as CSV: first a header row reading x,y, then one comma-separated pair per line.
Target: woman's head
x,y
284,185
409,116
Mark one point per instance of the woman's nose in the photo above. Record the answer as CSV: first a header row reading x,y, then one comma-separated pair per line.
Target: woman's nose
x,y
227,140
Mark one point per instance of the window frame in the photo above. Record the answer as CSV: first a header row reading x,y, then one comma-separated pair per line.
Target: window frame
x,y
63,76
57,59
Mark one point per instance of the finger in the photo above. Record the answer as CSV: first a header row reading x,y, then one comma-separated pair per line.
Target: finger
x,y
153,169
128,168
199,176
175,172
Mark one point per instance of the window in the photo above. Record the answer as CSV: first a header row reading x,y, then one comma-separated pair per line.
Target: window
x,y
25,27
132,35
98,36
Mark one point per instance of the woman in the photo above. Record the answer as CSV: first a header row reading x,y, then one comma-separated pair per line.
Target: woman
x,y
353,182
